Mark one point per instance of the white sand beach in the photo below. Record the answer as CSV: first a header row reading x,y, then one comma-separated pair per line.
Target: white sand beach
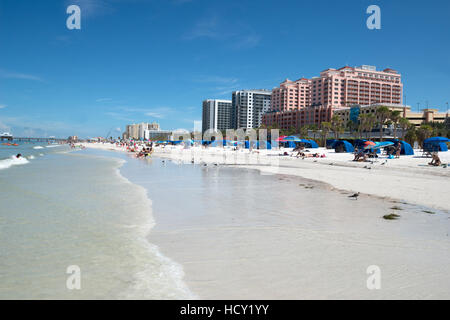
x,y
240,234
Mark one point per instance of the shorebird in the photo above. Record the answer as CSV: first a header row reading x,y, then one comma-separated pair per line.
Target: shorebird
x,y
354,196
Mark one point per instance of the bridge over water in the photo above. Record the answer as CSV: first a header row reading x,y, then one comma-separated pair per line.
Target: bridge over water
x,y
26,139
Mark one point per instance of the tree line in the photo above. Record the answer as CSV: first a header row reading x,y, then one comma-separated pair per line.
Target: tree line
x,y
364,127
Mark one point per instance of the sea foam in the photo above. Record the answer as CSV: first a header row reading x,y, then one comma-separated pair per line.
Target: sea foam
x,y
7,163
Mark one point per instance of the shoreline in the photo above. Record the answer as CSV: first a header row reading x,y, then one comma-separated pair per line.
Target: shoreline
x,y
406,179
287,249
307,240
398,179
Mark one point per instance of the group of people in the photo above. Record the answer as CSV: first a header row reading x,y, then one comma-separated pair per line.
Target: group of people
x,y
146,151
362,155
395,150
300,149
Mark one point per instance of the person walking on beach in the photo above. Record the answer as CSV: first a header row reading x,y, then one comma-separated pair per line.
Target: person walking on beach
x,y
398,149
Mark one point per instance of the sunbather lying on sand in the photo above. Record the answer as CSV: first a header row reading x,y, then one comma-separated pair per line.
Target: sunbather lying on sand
x,y
314,155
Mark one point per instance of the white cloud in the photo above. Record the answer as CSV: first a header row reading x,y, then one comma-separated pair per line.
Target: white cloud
x,y
15,75
154,115
204,28
236,35
216,79
91,8
103,100
2,106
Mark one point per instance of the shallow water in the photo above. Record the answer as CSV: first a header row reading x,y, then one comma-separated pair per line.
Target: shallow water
x,y
75,209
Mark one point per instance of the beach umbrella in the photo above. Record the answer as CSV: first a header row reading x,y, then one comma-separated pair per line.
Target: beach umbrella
x,y
293,139
382,145
437,139
369,144
281,138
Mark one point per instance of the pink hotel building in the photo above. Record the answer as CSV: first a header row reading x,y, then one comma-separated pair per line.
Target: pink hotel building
x,y
312,101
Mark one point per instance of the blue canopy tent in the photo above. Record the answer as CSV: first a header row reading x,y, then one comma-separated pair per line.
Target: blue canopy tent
x,y
407,150
311,144
343,146
359,143
436,144
330,143
254,144
287,144
267,144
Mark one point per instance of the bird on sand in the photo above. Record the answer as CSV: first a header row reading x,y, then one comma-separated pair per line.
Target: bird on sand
x,y
354,196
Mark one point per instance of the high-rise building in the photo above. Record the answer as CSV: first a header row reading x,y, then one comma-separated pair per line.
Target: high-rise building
x,y
248,107
313,101
359,85
291,95
144,131
340,88
216,115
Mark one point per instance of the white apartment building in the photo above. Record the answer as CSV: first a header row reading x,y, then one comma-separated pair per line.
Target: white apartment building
x,y
248,107
216,114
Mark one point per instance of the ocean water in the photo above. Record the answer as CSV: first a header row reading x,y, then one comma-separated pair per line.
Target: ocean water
x,y
28,150
68,208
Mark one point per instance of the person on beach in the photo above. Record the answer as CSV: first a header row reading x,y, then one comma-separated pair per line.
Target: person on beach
x,y
435,161
299,149
360,155
398,149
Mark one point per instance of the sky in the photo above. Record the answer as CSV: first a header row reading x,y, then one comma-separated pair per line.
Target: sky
x,y
157,60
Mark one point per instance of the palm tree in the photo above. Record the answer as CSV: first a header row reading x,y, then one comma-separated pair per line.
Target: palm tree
x,y
337,125
369,122
411,135
395,117
362,124
383,114
303,131
424,132
326,127
404,125
351,126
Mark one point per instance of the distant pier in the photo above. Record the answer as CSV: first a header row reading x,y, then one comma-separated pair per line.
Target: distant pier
x,y
25,139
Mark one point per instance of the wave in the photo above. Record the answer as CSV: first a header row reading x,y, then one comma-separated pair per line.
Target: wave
x,y
53,146
168,282
38,147
13,161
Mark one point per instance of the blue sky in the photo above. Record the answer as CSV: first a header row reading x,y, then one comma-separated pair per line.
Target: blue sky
x,y
156,60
